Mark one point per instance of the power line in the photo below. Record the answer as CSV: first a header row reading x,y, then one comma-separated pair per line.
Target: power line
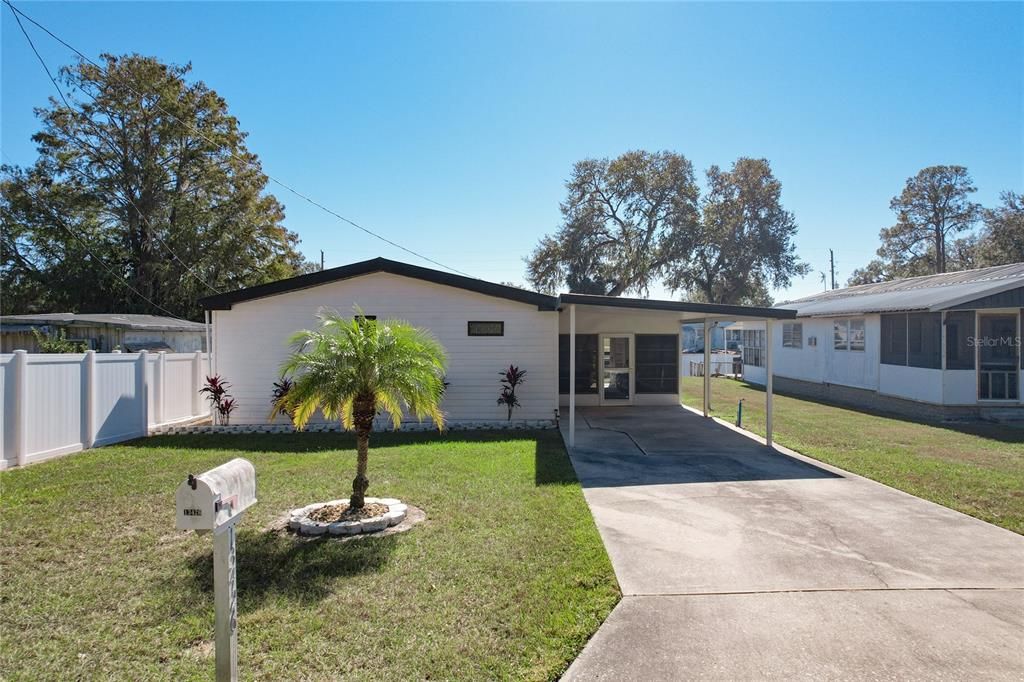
x,y
238,156
120,277
153,231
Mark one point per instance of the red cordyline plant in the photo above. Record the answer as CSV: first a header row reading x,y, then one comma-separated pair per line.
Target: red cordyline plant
x,y
225,408
279,394
216,391
510,379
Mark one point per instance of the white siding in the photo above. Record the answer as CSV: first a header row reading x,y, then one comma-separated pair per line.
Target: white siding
x,y
960,387
822,363
609,320
250,342
913,383
808,362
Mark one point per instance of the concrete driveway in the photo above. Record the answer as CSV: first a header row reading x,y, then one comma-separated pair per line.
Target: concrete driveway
x,y
738,562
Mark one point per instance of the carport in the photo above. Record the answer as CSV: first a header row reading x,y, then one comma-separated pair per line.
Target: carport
x,y
737,561
618,352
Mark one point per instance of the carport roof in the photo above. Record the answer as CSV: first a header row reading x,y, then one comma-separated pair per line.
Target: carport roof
x,y
699,309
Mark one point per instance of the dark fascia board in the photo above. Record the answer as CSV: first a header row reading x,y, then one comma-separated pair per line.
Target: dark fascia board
x,y
226,300
678,306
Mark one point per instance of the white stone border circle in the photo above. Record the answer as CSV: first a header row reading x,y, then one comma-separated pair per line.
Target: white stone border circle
x,y
299,521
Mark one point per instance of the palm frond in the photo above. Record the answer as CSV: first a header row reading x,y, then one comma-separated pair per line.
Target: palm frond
x,y
400,365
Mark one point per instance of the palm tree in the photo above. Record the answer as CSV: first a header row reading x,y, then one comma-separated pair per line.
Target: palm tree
x,y
352,368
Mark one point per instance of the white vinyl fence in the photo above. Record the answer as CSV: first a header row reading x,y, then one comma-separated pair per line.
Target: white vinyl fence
x,y
55,404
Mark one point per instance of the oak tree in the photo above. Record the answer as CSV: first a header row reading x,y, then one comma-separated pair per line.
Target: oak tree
x,y
143,179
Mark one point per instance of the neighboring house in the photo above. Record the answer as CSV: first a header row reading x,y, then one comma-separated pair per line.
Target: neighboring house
x,y
938,345
105,332
626,350
723,338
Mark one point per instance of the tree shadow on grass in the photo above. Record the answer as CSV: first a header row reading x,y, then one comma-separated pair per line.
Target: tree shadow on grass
x,y
273,564
323,442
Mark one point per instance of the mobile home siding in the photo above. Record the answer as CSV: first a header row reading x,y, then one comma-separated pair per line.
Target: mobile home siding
x,y
250,342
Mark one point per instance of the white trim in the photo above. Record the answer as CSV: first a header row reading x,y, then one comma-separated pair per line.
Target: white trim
x,y
707,367
992,312
768,402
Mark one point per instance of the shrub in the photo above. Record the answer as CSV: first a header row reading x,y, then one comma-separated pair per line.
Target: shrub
x,y
510,379
216,391
58,343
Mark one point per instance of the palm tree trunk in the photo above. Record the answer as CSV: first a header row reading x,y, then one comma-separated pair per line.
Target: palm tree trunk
x,y
363,412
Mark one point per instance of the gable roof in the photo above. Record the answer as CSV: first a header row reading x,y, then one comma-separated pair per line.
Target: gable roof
x,y
366,267
929,293
542,301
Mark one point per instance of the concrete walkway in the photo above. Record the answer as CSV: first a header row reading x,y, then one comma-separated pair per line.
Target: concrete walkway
x,y
737,562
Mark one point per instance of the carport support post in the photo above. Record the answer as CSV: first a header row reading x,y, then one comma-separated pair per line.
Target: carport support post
x,y
572,375
707,367
225,605
768,326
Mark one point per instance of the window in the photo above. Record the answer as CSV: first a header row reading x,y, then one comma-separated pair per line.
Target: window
x,y
894,340
753,347
848,334
914,340
839,335
657,363
586,363
959,329
486,328
924,340
792,335
857,334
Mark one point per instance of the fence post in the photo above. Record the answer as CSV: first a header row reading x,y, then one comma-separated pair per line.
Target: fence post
x,y
90,399
159,385
197,383
21,407
142,383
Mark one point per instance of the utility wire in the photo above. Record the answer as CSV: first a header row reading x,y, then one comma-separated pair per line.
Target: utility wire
x,y
119,276
238,156
190,270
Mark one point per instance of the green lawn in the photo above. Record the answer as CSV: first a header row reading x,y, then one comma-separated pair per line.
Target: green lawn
x,y
975,468
506,579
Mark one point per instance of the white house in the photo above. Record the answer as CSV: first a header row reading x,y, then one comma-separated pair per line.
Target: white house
x,y
626,350
938,345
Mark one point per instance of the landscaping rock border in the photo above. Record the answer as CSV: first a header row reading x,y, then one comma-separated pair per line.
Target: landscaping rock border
x,y
412,427
299,521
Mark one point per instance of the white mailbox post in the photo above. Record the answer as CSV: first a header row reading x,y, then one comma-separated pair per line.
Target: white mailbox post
x,y
215,501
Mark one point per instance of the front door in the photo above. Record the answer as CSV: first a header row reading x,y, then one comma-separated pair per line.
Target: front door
x,y
998,360
616,369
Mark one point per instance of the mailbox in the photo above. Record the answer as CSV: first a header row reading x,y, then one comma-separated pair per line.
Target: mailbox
x,y
216,499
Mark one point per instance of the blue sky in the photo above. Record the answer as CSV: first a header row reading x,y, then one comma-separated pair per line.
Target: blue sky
x,y
451,128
